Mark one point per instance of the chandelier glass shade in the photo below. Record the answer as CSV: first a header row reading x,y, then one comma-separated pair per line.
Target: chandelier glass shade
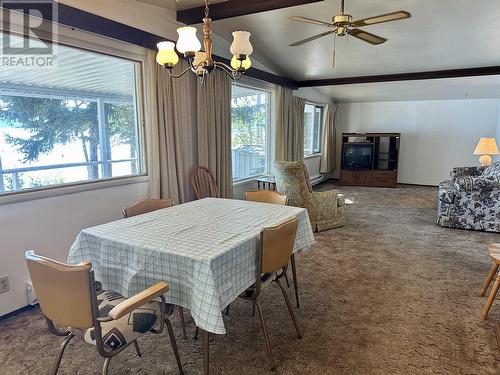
x,y
201,62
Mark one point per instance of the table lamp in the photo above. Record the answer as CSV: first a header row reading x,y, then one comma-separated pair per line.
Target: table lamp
x,y
485,148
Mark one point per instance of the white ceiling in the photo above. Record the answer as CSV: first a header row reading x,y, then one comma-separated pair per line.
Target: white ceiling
x,y
442,34
486,87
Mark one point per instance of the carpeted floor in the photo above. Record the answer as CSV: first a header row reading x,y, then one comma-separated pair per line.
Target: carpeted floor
x,y
389,293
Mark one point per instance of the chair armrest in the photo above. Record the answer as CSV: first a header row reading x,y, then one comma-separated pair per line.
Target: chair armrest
x,y
477,183
466,172
446,191
138,300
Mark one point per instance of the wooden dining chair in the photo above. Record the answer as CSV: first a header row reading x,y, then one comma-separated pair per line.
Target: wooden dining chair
x,y
70,297
203,183
494,253
148,205
266,196
269,196
276,247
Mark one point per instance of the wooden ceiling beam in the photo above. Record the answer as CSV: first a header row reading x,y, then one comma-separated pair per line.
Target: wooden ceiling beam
x,y
434,74
236,8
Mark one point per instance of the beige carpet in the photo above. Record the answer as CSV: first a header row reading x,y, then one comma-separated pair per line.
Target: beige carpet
x,y
389,293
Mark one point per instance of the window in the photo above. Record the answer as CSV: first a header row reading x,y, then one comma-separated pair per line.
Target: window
x,y
313,128
74,122
250,117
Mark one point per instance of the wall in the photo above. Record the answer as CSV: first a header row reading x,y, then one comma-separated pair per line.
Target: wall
x,y
50,226
436,135
497,158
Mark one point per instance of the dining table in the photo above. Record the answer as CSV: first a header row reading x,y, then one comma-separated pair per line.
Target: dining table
x,y
206,250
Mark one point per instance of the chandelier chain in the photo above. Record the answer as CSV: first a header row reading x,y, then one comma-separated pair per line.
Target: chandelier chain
x,y
206,9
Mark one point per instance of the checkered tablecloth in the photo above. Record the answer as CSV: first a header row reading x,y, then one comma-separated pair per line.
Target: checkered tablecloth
x,y
206,250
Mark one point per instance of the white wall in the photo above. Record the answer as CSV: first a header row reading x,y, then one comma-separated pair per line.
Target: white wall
x,y
50,226
497,158
436,135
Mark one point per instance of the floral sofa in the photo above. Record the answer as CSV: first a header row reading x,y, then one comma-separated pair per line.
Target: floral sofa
x,y
325,208
471,199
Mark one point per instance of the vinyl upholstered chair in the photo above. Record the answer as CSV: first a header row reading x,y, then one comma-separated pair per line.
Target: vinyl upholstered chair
x,y
273,197
70,297
276,247
203,183
148,205
266,196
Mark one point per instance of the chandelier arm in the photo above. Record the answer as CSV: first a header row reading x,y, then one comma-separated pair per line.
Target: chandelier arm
x,y
180,75
228,70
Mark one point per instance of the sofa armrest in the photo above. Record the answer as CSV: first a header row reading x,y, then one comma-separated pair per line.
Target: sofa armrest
x,y
446,191
466,172
469,184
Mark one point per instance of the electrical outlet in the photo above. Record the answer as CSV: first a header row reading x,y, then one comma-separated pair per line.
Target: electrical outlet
x,y
4,284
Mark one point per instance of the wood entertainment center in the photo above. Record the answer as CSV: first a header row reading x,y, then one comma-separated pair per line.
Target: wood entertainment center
x,y
370,159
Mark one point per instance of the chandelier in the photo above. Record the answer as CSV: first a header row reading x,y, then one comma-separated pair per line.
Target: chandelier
x,y
201,62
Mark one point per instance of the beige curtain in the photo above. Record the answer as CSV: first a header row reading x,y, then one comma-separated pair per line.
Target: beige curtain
x,y
214,129
328,150
289,126
178,141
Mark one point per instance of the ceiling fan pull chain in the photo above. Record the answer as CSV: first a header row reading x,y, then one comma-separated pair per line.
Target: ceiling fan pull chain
x,y
334,51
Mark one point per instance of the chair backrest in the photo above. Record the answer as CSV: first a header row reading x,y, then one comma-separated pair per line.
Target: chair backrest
x,y
277,245
64,291
266,196
145,206
203,183
292,180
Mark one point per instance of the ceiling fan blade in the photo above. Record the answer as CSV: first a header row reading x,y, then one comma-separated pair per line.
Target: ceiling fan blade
x,y
367,37
394,16
310,20
310,39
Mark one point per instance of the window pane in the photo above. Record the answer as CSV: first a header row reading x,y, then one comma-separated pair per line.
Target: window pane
x,y
73,122
250,117
309,121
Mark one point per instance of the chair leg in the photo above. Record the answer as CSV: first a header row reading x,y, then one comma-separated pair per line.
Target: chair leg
x,y
227,310
105,366
174,345
206,353
491,298
137,350
183,323
287,281
196,333
57,362
295,283
266,334
290,309
487,282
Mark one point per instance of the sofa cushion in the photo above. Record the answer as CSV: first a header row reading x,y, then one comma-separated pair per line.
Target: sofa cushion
x,y
492,170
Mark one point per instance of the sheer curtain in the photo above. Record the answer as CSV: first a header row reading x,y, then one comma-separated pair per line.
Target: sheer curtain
x,y
289,126
190,126
328,150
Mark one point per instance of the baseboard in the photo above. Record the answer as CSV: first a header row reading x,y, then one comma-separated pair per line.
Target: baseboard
x,y
18,311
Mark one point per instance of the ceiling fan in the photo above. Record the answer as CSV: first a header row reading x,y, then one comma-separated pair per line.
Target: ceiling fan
x,y
342,24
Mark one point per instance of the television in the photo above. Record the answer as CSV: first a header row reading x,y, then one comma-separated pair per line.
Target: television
x,y
357,156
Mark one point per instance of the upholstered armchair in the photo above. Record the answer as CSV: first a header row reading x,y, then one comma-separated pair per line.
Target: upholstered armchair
x,y
471,199
326,208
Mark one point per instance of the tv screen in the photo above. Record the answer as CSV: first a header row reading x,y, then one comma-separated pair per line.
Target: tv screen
x,y
357,156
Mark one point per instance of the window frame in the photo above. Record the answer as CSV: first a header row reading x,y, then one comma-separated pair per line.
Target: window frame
x,y
99,45
257,85
320,133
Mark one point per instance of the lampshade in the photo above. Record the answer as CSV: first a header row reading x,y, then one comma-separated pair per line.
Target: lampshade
x,y
237,64
198,58
486,146
166,54
241,43
187,42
